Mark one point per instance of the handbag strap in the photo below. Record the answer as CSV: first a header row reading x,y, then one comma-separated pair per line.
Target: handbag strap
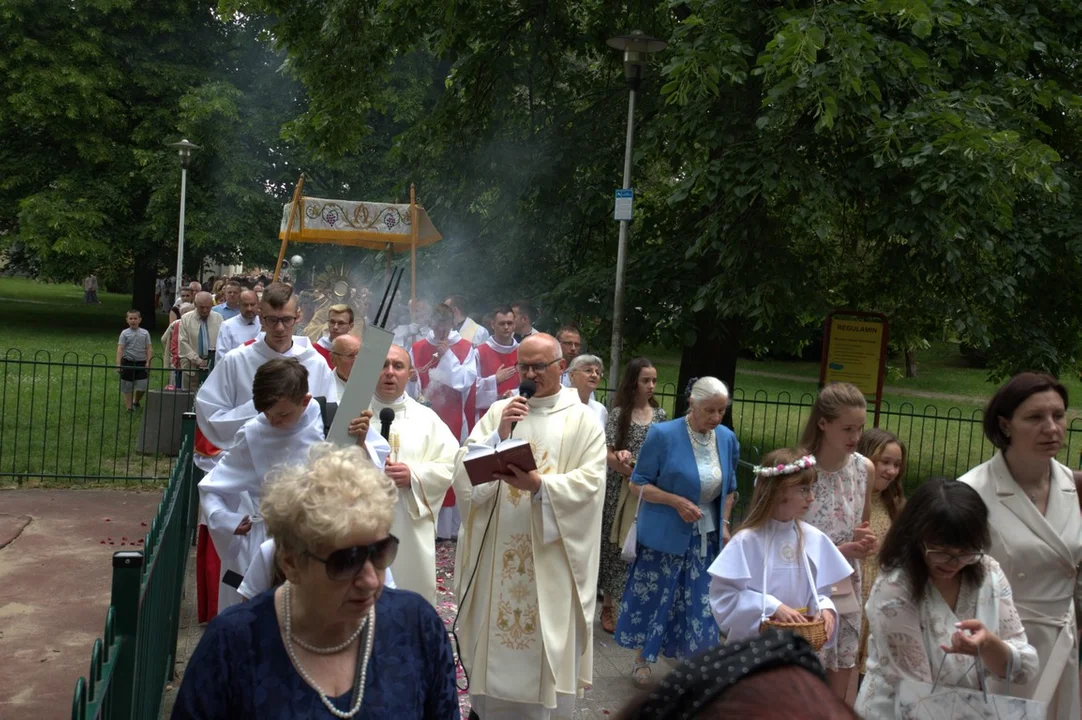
x,y
979,665
638,505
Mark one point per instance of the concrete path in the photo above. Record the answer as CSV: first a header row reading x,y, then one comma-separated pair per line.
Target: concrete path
x,y
55,580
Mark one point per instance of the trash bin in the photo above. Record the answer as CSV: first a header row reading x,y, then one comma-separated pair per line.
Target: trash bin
x,y
163,418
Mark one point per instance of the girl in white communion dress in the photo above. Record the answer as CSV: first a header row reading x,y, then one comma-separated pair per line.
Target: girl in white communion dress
x,y
776,566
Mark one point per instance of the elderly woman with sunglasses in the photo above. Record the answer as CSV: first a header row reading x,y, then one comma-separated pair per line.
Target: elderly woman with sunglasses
x,y
331,641
941,605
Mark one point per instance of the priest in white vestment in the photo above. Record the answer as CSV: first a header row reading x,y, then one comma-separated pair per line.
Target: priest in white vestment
x,y
528,588
421,463
344,352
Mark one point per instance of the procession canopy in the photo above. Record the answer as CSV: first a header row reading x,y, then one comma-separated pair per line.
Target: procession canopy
x,y
376,226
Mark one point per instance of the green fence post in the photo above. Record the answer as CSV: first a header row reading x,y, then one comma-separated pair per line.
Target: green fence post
x,y
127,570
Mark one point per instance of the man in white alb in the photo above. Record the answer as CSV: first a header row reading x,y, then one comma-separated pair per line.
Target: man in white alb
x,y
526,616
496,360
464,324
344,351
421,462
224,403
241,328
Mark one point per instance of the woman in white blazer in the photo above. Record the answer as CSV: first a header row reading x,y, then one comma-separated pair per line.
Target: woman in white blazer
x,y
1036,528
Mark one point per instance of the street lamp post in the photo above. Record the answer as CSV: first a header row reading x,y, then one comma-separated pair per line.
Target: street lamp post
x,y
635,48
184,149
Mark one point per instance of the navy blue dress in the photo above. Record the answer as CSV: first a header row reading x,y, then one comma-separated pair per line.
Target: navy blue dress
x,y
241,670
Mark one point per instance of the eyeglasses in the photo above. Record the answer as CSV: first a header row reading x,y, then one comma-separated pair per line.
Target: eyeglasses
x,y
538,368
348,563
592,371
345,355
939,557
287,321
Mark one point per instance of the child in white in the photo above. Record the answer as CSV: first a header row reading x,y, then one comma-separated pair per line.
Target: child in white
x,y
288,424
776,566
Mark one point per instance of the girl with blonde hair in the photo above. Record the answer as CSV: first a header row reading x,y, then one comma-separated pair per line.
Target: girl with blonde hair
x,y
777,567
840,510
887,454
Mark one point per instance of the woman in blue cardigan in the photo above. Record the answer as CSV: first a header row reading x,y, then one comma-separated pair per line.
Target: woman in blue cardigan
x,y
687,474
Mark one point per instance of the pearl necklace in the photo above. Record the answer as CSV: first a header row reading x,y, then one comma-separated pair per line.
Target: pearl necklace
x,y
358,688
696,435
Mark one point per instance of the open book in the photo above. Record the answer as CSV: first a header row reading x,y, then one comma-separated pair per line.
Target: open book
x,y
483,463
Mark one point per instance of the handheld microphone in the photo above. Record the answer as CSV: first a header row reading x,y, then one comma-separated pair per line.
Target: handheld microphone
x,y
527,389
386,417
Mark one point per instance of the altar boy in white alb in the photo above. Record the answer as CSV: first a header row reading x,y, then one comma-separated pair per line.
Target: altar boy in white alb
x,y
224,401
777,567
527,589
287,426
421,462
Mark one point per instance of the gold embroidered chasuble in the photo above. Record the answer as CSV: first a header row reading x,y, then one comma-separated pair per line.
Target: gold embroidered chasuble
x,y
421,440
526,623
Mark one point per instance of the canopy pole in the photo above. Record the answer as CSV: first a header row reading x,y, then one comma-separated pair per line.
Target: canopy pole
x,y
413,242
289,225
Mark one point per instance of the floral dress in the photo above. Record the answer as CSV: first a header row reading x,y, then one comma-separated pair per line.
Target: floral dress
x,y
906,635
666,603
836,511
613,573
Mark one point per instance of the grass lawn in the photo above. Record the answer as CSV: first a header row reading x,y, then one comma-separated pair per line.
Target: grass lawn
x,y
60,400
62,420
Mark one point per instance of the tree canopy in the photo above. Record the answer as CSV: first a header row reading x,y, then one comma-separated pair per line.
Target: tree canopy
x,y
917,157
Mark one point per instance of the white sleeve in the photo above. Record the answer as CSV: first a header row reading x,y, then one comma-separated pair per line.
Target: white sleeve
x,y
550,531
737,606
486,392
257,577
456,375
226,341
216,411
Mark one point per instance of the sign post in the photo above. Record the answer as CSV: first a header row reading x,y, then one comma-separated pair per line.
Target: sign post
x,y
625,200
855,351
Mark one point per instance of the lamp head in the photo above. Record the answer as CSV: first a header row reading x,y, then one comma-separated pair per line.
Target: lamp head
x,y
184,149
636,47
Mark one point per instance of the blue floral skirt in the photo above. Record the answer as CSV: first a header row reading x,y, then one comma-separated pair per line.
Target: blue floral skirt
x,y
666,603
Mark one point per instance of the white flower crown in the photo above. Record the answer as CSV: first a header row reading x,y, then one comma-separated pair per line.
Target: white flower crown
x,y
803,463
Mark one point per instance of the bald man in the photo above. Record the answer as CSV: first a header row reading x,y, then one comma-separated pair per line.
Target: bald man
x,y
422,455
198,339
529,543
344,349
241,328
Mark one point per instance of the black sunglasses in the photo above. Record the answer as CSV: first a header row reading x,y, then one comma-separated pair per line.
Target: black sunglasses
x,y
347,563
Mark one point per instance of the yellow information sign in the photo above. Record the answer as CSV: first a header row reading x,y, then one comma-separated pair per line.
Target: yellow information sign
x,y
853,353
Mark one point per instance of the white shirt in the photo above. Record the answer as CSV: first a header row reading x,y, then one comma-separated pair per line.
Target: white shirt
x,y
235,332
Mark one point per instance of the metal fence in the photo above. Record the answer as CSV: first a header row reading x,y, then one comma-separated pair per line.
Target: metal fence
x,y
64,419
133,660
938,442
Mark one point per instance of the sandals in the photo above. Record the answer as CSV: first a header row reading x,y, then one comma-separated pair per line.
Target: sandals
x,y
640,674
608,619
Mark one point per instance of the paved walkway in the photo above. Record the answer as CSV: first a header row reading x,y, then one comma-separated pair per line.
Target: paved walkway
x,y
612,663
55,581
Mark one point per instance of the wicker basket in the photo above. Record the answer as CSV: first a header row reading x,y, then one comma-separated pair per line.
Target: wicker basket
x,y
814,631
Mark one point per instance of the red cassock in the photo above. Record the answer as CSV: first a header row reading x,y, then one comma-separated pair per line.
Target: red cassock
x,y
208,566
324,351
448,403
490,362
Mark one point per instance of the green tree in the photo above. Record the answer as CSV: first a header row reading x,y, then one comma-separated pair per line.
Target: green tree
x,y
910,155
91,92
